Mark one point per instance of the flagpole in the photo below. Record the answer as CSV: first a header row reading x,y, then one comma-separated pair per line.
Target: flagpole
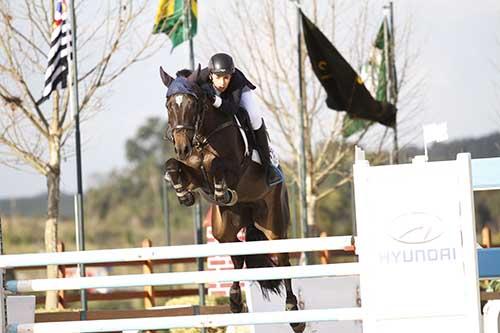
x,y
198,230
392,89
394,84
302,155
79,226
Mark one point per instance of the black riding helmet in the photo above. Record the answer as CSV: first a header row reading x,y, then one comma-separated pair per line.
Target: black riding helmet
x,y
221,63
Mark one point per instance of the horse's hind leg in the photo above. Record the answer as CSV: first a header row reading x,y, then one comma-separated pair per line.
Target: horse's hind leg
x,y
225,228
235,299
291,299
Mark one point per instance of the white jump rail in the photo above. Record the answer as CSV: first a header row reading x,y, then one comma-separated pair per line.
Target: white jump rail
x,y
190,321
163,279
175,252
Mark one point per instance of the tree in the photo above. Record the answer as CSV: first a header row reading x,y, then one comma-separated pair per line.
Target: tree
x,y
266,51
34,136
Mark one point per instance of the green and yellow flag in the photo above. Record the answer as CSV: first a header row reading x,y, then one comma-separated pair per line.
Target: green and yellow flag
x,y
172,19
374,74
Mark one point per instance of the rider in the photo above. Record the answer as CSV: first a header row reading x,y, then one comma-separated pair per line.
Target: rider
x,y
230,90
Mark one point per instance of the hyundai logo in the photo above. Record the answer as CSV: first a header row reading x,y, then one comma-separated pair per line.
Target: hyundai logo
x,y
416,228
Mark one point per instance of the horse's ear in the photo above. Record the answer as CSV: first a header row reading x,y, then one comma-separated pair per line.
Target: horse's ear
x,y
195,75
167,79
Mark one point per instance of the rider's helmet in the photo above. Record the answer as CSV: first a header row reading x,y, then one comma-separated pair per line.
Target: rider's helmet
x,y
221,63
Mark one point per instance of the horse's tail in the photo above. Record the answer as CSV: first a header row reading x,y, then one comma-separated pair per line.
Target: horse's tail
x,y
262,260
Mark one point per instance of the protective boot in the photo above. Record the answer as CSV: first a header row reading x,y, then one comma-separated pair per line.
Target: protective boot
x,y
273,174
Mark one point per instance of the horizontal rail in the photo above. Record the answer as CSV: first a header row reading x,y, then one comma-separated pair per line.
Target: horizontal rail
x,y
293,255
176,252
125,295
190,321
187,310
488,261
163,279
485,174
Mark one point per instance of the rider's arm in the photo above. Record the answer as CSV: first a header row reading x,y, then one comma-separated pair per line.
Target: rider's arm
x,y
225,105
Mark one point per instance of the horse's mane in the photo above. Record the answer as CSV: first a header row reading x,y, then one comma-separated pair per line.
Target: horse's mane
x,y
184,72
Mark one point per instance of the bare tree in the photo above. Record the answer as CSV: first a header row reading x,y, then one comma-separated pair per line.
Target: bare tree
x,y
263,39
33,135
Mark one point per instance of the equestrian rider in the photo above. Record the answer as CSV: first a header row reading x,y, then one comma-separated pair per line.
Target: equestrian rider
x,y
229,90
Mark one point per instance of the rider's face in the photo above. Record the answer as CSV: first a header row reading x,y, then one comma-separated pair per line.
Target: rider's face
x,y
221,81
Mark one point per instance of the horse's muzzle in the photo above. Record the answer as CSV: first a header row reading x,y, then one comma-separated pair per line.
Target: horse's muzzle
x,y
183,151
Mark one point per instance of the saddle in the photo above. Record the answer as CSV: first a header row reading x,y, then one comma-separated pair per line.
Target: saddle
x,y
243,122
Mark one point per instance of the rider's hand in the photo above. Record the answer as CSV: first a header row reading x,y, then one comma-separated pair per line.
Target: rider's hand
x,y
212,97
209,91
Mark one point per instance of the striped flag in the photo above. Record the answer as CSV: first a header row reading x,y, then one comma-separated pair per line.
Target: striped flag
x,y
60,49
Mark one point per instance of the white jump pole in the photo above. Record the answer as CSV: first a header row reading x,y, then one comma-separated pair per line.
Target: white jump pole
x,y
491,313
191,321
175,252
162,279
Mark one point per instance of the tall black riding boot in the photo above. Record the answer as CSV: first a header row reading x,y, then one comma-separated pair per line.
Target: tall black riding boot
x,y
273,174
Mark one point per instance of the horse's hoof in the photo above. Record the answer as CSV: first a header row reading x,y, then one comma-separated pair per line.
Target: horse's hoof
x,y
187,199
291,304
236,308
291,307
229,198
235,300
298,327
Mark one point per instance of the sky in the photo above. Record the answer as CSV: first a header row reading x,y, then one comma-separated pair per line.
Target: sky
x,y
458,41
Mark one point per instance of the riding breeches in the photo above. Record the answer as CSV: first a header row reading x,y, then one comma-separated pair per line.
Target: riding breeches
x,y
249,103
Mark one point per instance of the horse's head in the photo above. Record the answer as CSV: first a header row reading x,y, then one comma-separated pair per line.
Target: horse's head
x,y
184,106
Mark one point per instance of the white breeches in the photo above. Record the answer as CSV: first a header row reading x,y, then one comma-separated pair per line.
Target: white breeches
x,y
250,104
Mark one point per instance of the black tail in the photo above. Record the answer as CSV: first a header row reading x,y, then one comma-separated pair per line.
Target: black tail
x,y
262,260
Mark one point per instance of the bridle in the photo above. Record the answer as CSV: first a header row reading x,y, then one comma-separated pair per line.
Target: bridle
x,y
198,141
199,117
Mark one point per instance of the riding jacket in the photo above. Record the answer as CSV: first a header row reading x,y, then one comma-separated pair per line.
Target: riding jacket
x,y
239,94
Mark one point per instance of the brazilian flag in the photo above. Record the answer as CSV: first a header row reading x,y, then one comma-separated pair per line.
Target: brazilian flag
x,y
172,19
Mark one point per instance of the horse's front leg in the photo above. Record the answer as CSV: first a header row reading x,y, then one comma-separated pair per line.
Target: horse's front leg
x,y
176,175
224,194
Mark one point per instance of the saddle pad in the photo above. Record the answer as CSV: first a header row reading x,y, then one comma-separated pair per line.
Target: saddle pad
x,y
255,154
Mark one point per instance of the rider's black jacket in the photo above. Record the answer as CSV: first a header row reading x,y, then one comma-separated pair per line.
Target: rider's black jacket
x,y
232,95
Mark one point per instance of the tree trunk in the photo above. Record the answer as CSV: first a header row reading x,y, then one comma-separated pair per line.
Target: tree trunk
x,y
53,179
312,228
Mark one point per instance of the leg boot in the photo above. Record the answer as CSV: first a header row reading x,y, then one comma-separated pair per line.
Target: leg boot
x,y
273,174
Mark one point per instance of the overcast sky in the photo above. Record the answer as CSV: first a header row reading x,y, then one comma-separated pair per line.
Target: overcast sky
x,y
459,42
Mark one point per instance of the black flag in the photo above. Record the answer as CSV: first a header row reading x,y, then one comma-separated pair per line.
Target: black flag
x,y
344,87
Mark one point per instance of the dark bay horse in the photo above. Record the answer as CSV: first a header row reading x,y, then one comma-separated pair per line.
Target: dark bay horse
x,y
211,159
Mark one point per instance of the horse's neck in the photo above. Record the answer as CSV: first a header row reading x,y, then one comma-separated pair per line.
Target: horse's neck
x,y
227,142
212,119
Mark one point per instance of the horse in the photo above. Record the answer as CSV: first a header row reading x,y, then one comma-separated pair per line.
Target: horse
x,y
211,159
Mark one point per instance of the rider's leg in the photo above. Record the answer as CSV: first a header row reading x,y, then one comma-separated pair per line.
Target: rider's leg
x,y
248,102
273,174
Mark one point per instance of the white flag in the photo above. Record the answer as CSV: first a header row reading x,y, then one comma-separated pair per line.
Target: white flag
x,y
435,132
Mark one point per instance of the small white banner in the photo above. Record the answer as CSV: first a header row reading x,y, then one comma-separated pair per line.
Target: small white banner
x,y
435,132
